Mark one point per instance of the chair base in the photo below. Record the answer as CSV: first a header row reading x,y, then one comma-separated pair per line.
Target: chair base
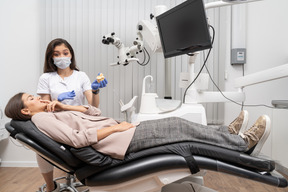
x,y
152,182
70,184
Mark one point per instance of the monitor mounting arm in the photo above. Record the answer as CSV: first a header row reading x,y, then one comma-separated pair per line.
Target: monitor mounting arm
x,y
146,30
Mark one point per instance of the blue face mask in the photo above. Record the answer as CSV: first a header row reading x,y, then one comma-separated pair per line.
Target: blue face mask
x,y
62,62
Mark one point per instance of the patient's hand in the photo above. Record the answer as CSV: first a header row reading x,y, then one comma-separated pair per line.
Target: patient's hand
x,y
58,106
123,126
102,133
55,106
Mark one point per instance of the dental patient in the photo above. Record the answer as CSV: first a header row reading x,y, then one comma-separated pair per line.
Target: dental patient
x,y
80,126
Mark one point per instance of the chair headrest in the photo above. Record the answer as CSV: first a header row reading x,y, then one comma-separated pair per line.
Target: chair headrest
x,y
12,131
61,150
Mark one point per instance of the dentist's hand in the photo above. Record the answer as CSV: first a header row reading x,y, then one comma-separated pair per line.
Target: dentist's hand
x,y
100,82
66,95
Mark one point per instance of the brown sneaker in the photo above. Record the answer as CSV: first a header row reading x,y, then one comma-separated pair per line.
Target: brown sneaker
x,y
239,124
257,134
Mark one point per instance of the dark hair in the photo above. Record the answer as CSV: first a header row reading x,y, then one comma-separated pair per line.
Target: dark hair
x,y
14,106
49,65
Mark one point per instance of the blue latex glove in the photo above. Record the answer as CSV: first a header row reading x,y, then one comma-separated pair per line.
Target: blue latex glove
x,y
96,85
66,95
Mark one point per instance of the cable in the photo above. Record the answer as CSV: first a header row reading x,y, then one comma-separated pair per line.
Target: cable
x,y
145,50
243,74
144,60
202,65
241,104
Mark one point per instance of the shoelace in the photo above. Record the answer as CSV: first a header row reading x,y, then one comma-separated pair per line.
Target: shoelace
x,y
232,129
251,133
232,126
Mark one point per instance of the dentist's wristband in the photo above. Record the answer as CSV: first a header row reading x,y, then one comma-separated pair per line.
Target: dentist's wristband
x,y
95,92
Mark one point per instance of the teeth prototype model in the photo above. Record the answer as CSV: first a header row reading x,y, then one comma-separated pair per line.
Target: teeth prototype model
x,y
100,77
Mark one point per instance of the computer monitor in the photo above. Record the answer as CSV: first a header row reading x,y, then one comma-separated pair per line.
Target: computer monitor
x,y
184,29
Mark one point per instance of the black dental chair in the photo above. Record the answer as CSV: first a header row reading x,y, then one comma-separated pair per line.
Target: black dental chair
x,y
164,164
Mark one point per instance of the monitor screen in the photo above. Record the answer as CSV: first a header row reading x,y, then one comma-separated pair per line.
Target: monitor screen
x,y
184,29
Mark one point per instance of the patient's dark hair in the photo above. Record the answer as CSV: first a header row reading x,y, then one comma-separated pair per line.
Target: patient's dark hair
x,y
14,106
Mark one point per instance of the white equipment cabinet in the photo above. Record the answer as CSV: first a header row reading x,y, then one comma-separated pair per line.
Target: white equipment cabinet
x,y
279,133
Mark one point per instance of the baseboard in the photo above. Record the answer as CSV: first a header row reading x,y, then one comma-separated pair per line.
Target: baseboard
x,y
18,164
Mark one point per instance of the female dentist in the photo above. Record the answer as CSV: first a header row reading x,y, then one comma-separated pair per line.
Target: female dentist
x,y
63,81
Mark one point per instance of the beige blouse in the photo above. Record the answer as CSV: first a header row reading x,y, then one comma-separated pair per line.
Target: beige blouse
x,y
79,129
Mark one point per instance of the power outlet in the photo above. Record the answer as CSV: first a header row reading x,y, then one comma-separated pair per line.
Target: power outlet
x,y
238,56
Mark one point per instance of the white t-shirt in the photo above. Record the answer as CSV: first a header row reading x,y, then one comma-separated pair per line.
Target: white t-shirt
x,y
53,84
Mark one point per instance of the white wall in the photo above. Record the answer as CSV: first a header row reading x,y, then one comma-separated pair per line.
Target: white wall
x,y
83,23
267,47
19,53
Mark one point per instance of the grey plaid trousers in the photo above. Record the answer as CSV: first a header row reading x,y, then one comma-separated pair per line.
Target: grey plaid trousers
x,y
154,133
